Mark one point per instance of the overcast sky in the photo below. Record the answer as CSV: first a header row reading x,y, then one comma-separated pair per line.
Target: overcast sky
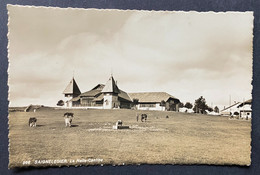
x,y
186,54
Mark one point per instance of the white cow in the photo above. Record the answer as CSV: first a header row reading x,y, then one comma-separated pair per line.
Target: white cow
x,y
68,118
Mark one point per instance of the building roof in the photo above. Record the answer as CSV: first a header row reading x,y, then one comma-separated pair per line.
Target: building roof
x,y
123,95
72,88
75,98
98,96
151,97
111,86
245,103
94,92
233,105
98,87
91,93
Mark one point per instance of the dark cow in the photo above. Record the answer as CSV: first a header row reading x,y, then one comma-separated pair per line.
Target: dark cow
x,y
69,114
32,122
143,117
167,116
68,118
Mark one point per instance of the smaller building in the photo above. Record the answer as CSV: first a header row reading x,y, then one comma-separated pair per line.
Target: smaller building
x,y
155,101
230,110
245,110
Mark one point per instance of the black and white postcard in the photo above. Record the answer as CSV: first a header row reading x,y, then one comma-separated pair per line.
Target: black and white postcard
x,y
120,87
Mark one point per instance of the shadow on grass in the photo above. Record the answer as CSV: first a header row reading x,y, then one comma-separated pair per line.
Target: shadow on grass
x,y
72,126
39,125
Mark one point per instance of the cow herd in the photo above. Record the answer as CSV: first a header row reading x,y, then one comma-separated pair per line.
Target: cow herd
x,y
68,116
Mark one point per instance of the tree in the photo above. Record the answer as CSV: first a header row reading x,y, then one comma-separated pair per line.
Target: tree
x,y
181,105
200,105
216,109
135,102
188,105
60,103
210,109
162,103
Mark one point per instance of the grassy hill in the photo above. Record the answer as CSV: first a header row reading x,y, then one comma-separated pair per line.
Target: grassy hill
x,y
180,139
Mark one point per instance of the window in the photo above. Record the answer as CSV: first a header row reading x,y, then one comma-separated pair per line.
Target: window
x,y
150,105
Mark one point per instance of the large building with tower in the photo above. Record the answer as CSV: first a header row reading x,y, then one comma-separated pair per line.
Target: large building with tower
x,y
109,96
102,96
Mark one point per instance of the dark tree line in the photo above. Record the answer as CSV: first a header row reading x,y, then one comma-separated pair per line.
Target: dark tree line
x,y
60,103
200,106
187,105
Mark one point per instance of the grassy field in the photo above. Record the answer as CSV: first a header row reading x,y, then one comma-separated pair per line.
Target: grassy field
x,y
180,139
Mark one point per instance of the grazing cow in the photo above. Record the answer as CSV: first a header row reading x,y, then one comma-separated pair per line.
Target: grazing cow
x,y
68,118
144,117
32,122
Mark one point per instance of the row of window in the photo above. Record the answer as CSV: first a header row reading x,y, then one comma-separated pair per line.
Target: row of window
x,y
148,105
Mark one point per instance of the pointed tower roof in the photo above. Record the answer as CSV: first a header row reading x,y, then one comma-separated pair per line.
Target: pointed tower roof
x,y
111,86
72,88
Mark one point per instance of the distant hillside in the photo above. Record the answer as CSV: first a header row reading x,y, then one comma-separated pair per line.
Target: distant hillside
x,y
29,108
